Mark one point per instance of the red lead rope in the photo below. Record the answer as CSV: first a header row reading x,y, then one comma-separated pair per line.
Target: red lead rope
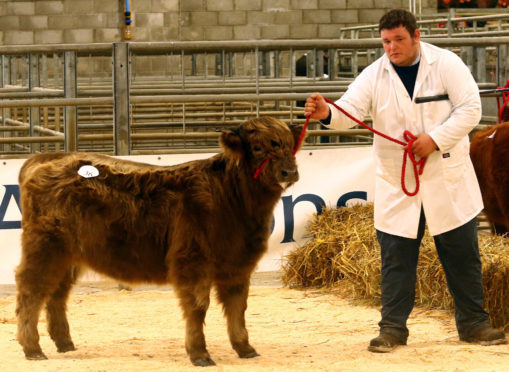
x,y
409,137
418,165
505,102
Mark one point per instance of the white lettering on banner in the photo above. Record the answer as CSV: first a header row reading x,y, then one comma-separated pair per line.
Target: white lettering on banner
x,y
329,177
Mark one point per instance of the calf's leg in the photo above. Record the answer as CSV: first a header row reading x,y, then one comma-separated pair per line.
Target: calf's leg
x,y
58,327
194,300
28,308
41,269
234,300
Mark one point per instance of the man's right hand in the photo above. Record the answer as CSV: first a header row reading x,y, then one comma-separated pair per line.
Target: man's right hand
x,y
316,107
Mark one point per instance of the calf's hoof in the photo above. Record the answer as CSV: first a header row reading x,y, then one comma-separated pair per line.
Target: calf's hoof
x,y
245,350
64,348
252,354
203,362
35,355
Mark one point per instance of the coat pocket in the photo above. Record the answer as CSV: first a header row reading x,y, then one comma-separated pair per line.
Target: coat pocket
x,y
454,164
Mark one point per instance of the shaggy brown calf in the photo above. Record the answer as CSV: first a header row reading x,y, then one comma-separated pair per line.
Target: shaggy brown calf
x,y
196,225
490,155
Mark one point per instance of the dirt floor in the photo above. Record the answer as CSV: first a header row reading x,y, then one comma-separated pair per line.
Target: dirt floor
x,y
292,330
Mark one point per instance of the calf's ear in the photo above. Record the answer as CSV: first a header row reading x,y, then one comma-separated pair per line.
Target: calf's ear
x,y
231,143
297,131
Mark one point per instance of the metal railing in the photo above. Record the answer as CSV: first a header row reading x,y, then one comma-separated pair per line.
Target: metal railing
x,y
440,26
138,98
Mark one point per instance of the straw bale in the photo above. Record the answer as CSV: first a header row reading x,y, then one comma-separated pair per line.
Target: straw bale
x,y
342,255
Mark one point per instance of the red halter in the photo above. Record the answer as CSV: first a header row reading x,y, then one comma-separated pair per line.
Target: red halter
x,y
299,142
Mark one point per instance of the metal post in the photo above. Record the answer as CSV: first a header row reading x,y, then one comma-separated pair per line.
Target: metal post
x,y
70,112
319,63
503,65
34,81
13,65
257,77
264,63
231,64
182,69
480,63
44,71
183,73
267,63
121,122
467,55
193,64
25,73
206,61
310,64
2,84
57,69
355,62
450,28
219,64
291,69
223,59
292,66
369,59
276,73
332,66
276,63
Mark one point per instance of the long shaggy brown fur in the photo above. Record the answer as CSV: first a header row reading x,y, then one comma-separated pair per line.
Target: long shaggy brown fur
x,y
196,225
490,155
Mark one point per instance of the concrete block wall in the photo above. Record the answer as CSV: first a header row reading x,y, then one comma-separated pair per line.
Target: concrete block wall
x,y
91,21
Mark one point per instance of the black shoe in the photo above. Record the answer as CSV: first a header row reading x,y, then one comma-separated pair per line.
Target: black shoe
x,y
385,343
486,336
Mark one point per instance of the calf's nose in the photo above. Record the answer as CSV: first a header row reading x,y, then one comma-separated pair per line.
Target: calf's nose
x,y
290,174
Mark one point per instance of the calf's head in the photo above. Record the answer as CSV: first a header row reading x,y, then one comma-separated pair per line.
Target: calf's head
x,y
267,146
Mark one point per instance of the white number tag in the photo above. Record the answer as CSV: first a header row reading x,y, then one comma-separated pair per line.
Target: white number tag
x,y
88,171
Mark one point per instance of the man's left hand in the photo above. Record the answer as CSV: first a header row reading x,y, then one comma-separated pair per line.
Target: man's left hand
x,y
423,145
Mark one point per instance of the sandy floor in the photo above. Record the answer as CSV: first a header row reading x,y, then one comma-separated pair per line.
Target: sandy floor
x,y
142,330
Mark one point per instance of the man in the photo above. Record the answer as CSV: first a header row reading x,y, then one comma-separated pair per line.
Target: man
x,y
449,198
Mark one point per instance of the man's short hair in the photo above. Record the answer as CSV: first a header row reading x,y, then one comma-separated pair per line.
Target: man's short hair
x,y
398,17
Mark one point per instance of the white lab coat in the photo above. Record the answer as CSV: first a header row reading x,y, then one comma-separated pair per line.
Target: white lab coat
x,y
449,191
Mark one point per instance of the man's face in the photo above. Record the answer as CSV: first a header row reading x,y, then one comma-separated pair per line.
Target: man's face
x,y
401,47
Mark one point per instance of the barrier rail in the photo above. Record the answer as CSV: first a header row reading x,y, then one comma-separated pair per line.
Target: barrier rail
x,y
450,26
164,97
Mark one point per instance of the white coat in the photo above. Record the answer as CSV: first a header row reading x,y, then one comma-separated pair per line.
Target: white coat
x,y
449,192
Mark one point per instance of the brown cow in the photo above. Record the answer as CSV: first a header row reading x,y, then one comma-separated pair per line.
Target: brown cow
x,y
490,155
197,225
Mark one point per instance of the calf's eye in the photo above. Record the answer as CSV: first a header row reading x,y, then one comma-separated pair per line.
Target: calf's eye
x,y
257,148
275,144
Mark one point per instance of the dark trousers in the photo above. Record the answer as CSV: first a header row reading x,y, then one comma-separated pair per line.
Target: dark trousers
x,y
459,255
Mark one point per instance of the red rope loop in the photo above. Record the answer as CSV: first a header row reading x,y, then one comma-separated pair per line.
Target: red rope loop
x,y
410,138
